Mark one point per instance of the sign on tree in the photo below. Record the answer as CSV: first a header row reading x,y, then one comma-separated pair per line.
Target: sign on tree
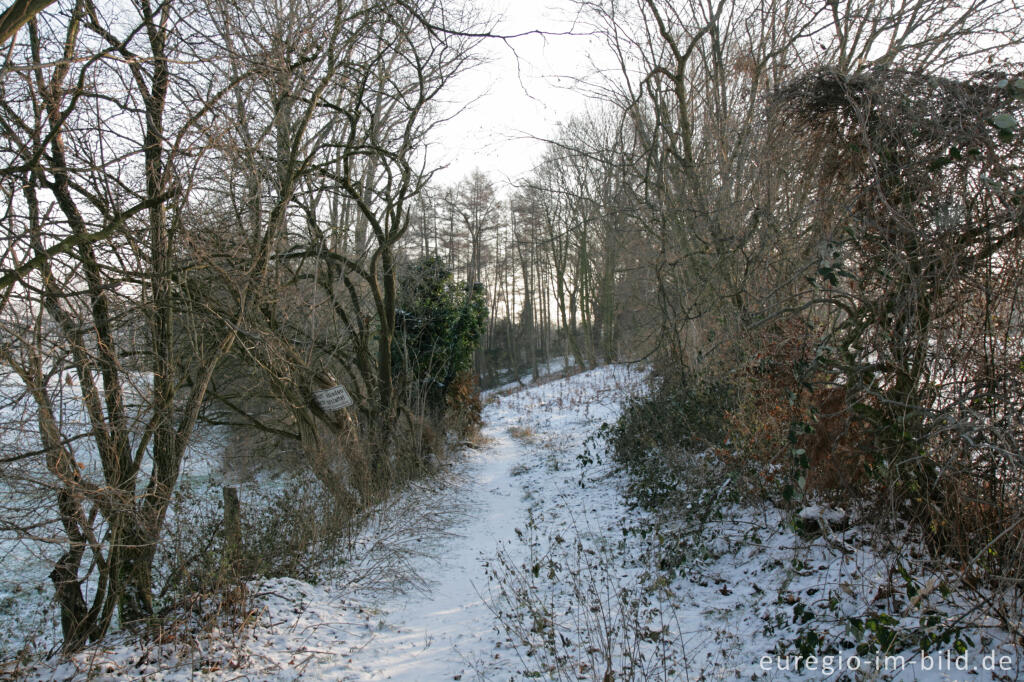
x,y
333,399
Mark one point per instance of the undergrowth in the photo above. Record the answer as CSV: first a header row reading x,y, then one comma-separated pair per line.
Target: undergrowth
x,y
729,466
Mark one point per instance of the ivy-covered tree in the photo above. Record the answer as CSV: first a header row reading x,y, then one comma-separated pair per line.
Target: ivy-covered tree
x,y
439,324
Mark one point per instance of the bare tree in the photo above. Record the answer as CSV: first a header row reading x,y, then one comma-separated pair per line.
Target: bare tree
x,y
92,319
179,179
346,127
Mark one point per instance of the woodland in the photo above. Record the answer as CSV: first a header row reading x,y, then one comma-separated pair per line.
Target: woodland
x,y
805,219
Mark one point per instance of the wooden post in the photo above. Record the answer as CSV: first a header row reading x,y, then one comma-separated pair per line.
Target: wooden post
x,y
232,529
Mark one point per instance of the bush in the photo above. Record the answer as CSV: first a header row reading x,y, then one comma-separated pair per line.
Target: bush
x,y
658,434
796,419
463,407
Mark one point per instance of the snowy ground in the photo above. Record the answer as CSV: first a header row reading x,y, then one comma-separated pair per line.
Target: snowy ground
x,y
542,571
29,619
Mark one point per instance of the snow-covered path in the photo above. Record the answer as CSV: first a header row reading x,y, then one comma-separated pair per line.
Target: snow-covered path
x,y
525,468
441,632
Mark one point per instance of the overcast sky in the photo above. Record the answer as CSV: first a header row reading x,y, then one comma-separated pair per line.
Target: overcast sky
x,y
522,92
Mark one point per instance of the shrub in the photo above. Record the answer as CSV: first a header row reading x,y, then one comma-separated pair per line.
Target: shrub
x,y
658,433
795,419
463,407
775,421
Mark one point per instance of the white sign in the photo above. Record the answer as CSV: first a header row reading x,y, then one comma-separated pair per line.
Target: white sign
x,y
333,399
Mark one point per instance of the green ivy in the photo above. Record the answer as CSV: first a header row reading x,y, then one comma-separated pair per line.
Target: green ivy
x,y
439,323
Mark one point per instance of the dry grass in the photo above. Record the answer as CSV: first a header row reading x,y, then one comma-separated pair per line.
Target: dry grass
x,y
523,433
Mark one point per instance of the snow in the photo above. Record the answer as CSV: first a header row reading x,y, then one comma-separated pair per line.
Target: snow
x,y
545,370
822,514
30,619
538,567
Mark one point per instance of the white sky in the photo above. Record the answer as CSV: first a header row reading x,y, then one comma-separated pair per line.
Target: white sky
x,y
522,92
